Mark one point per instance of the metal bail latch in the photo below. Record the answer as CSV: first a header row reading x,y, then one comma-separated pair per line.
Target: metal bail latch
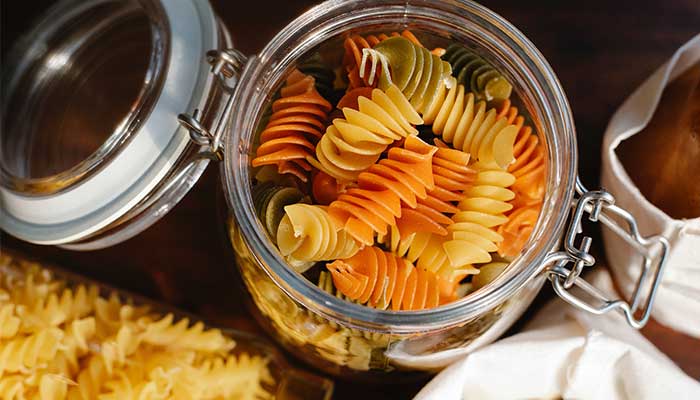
x,y
225,66
600,206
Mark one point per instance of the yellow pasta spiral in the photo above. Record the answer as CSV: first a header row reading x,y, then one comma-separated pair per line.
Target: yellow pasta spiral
x,y
234,377
12,387
354,143
181,335
28,352
307,233
9,322
54,310
483,210
471,127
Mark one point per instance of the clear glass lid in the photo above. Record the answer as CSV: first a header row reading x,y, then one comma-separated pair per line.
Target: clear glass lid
x,y
90,103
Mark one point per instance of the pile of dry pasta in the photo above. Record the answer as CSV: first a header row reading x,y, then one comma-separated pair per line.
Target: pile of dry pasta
x,y
59,341
406,173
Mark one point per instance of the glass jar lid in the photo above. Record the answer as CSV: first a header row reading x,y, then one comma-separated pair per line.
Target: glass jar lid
x,y
90,130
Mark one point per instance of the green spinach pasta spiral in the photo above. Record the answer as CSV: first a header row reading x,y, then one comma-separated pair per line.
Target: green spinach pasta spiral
x,y
477,74
269,201
412,68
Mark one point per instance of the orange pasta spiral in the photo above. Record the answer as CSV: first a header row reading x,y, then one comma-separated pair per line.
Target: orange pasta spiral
x,y
353,54
380,279
401,178
452,177
297,121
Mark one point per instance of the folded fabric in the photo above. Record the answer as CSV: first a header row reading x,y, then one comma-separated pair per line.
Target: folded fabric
x,y
568,353
678,300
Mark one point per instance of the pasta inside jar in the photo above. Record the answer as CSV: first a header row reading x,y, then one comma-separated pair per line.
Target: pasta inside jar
x,y
397,170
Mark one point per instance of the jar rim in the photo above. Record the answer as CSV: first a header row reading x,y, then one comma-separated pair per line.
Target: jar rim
x,y
523,61
134,174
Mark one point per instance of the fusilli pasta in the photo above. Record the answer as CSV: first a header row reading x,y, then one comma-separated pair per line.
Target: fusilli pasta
x,y
308,233
323,75
9,322
354,143
382,279
471,127
452,177
269,201
476,73
413,69
401,178
108,349
23,353
297,120
482,210
355,44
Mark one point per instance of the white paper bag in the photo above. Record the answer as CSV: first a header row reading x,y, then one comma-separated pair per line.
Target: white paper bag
x,y
678,300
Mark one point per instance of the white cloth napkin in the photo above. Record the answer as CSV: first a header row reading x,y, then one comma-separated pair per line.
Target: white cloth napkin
x,y
564,352
678,300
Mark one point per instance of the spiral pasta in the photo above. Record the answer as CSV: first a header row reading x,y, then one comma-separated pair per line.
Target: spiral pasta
x,y
528,168
528,188
354,143
9,322
296,123
468,202
352,59
323,75
12,387
308,233
109,349
269,201
413,69
476,73
53,310
401,178
452,177
382,279
166,333
427,251
23,353
471,127
474,237
488,273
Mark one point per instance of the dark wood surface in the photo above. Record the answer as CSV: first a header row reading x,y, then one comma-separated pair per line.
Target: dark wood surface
x,y
601,51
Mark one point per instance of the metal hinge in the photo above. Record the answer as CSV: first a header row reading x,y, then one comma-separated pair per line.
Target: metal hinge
x,y
226,66
568,264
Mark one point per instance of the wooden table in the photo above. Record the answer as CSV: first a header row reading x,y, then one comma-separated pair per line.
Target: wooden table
x,y
600,50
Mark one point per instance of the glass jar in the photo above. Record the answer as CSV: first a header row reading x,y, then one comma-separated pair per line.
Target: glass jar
x,y
354,340
149,162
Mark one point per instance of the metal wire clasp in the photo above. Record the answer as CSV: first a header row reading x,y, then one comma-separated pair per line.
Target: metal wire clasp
x,y
600,206
225,66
